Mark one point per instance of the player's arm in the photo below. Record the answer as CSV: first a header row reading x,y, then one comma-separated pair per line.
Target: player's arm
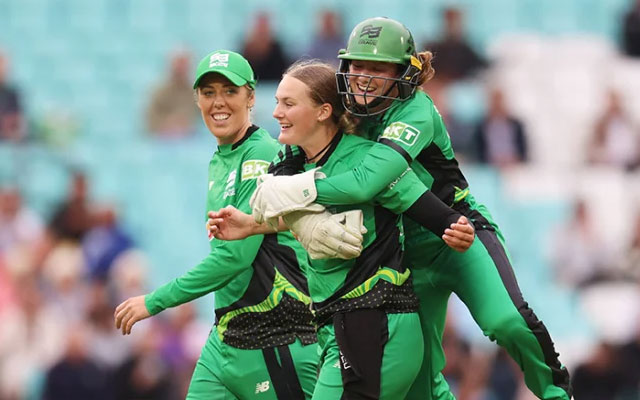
x,y
409,196
381,166
229,223
226,261
397,147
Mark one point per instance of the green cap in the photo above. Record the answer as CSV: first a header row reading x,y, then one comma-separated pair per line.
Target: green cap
x,y
229,64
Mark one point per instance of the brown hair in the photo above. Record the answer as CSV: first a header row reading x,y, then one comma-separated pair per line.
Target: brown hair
x,y
427,72
320,78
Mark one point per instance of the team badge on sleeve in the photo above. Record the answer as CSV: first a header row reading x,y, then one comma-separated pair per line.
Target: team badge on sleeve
x,y
401,132
252,169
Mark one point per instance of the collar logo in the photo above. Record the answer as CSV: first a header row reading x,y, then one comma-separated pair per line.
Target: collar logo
x,y
219,60
370,31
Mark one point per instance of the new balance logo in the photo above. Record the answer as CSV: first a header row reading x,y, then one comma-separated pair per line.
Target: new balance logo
x,y
370,31
262,387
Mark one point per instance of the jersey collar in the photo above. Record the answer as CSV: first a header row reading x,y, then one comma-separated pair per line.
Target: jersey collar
x,y
227,148
330,150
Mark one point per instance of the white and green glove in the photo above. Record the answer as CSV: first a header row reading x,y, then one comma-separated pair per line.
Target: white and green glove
x,y
276,196
326,235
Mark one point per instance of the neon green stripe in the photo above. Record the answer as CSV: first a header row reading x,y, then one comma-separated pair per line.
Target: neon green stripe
x,y
460,194
384,273
280,286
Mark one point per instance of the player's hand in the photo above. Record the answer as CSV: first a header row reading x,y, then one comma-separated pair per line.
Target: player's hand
x,y
460,235
129,312
325,235
229,223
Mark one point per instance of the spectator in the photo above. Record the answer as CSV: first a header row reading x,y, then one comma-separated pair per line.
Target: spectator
x,y
145,375
629,366
107,347
504,376
600,376
31,338
12,126
328,39
580,258
104,243
460,131
500,138
458,353
182,343
630,263
615,140
172,111
631,31
18,225
76,376
63,273
73,218
263,51
454,58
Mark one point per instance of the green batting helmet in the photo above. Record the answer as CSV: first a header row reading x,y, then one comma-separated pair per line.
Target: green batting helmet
x,y
384,40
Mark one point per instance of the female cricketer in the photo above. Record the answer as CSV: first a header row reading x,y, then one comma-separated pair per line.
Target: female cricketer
x,y
364,308
264,345
379,78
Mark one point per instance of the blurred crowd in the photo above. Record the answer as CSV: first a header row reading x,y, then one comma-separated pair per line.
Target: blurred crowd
x,y
61,278
60,281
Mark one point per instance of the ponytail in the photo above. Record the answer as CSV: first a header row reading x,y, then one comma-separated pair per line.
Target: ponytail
x,y
427,71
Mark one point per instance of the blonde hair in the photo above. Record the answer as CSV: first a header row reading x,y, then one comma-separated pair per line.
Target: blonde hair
x,y
427,72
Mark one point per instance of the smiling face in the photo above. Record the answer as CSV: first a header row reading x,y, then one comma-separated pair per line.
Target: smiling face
x,y
296,112
365,88
224,107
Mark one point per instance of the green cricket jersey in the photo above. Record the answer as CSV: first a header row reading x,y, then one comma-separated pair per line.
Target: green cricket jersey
x,y
413,133
376,279
261,293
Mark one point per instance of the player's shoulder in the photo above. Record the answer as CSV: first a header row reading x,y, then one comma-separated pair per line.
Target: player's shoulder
x,y
418,106
259,152
354,142
416,113
260,145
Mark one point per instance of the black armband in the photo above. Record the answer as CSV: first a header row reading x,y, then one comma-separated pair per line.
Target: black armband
x,y
430,212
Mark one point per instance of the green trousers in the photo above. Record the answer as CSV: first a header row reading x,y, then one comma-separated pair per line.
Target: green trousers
x,y
483,279
224,372
401,358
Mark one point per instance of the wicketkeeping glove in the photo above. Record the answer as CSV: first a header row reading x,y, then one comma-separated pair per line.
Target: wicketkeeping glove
x,y
279,195
326,235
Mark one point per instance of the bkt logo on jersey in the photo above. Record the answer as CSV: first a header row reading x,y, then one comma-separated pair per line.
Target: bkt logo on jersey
x,y
219,60
252,169
370,31
401,132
